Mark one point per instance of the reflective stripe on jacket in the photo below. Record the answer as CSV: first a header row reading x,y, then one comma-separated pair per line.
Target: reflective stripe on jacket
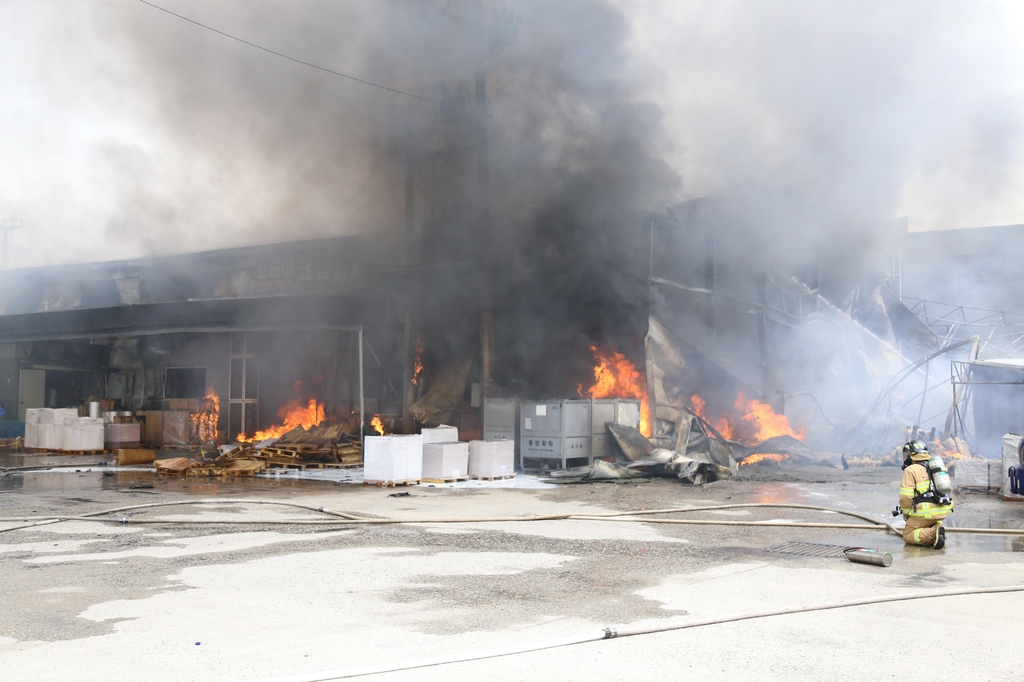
x,y
917,482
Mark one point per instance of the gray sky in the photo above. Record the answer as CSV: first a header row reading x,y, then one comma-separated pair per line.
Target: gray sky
x,y
127,132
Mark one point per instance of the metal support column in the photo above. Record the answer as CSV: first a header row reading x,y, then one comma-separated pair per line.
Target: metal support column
x,y
362,402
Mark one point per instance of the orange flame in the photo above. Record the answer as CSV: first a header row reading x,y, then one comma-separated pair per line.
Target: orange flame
x,y
617,377
377,425
417,366
203,422
764,421
951,448
721,424
293,415
750,422
763,456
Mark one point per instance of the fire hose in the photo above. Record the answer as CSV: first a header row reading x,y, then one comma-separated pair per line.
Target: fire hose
x,y
614,633
349,519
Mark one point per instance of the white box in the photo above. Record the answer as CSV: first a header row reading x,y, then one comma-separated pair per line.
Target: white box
x,y
393,458
442,434
83,433
445,460
47,439
31,435
118,434
491,458
58,425
47,427
986,474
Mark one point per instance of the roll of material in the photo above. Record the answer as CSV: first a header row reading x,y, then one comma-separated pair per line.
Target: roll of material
x,y
94,410
874,557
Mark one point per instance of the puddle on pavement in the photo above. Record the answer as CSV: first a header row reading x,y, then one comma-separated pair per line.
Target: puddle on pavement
x,y
865,498
93,478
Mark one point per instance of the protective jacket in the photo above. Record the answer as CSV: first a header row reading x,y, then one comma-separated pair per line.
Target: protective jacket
x,y
914,486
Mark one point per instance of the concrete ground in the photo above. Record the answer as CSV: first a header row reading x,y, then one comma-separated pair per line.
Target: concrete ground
x,y
84,601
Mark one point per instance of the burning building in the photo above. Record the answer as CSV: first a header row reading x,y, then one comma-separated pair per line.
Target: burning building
x,y
251,340
514,252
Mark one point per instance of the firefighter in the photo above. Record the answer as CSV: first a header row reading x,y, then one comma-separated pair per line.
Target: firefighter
x,y
922,504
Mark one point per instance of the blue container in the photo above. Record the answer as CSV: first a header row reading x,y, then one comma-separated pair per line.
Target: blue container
x,y
1016,475
12,429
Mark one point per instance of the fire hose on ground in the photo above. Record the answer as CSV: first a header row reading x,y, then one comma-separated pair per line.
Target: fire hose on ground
x,y
350,519
614,633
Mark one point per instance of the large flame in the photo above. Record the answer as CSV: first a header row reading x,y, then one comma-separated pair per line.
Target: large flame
x,y
203,422
721,424
764,421
378,425
294,414
750,421
617,377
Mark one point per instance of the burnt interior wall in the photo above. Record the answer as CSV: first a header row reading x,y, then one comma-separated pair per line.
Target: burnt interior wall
x,y
157,353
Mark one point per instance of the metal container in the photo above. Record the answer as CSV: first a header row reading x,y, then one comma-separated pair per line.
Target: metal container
x,y
560,448
555,430
572,429
874,557
602,411
555,417
501,414
501,421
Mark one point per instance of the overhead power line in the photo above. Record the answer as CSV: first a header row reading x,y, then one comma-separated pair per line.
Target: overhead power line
x,y
292,59
965,220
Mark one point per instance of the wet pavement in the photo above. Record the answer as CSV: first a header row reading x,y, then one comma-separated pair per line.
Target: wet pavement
x,y
268,599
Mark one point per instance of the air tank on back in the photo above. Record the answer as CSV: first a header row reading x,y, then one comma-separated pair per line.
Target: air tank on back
x,y
943,486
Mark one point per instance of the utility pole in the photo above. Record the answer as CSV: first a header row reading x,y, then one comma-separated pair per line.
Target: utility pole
x,y
7,226
483,173
482,153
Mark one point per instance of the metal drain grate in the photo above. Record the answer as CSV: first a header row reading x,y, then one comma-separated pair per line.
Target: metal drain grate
x,y
810,549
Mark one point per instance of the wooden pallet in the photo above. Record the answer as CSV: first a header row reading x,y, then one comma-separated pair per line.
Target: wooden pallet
x,y
500,477
205,471
335,465
446,480
392,484
50,451
245,468
278,452
176,465
278,464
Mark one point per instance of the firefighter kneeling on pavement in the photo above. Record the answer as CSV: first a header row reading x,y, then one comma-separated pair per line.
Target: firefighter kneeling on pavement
x,y
924,496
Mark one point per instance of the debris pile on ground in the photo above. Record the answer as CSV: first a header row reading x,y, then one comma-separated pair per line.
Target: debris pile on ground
x,y
320,447
694,452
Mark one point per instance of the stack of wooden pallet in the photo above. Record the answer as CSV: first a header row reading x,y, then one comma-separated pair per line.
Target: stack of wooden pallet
x,y
321,447
224,466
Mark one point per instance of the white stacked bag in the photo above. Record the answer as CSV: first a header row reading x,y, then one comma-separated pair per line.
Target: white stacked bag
x,y
442,434
83,433
44,427
492,458
393,459
444,457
